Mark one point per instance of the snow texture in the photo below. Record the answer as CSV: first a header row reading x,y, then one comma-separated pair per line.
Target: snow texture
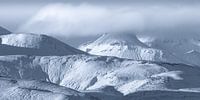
x,y
187,49
39,67
127,46
34,44
85,72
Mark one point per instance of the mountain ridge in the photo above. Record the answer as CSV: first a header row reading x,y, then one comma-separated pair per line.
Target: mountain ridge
x,y
34,44
38,66
127,46
188,49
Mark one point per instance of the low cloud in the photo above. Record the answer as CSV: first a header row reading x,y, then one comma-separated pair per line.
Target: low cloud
x,y
66,20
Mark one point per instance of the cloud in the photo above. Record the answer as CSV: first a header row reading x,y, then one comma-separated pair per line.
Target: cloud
x,y
82,20
66,20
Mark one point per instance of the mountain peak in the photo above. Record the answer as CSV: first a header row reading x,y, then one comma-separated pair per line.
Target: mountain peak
x,y
35,44
126,46
119,39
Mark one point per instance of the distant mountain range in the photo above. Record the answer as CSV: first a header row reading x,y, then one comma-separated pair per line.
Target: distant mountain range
x,y
151,49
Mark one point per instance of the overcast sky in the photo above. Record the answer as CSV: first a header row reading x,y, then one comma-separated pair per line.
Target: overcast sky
x,y
67,19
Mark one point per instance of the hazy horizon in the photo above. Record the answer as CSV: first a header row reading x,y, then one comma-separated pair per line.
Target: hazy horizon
x,y
74,21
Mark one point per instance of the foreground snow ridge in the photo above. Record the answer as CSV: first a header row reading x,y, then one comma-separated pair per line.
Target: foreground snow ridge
x,y
85,72
36,90
12,89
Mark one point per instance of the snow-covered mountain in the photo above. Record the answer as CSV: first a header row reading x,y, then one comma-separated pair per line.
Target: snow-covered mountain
x,y
12,89
34,44
86,72
4,31
175,45
186,48
34,66
127,46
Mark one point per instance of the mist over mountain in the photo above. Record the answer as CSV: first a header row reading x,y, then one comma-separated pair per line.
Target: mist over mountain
x,y
86,19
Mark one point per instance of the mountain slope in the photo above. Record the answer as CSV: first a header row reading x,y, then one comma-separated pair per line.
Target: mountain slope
x,y
34,44
4,31
37,64
188,49
84,72
36,90
126,46
180,45
12,89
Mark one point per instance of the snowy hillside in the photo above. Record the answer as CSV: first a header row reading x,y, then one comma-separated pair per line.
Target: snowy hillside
x,y
127,46
12,89
34,44
4,31
151,95
186,48
36,90
34,66
84,72
180,45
